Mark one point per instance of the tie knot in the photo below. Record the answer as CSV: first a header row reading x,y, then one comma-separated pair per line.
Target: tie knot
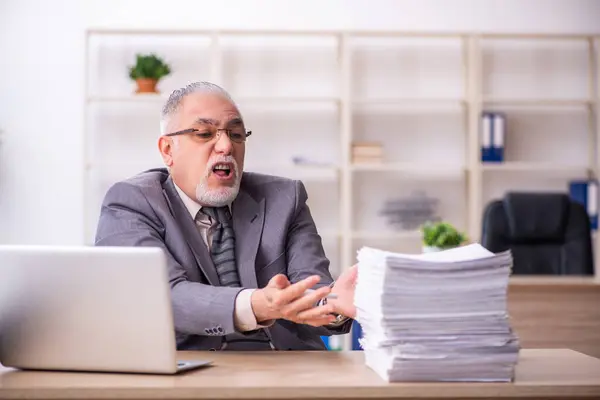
x,y
217,214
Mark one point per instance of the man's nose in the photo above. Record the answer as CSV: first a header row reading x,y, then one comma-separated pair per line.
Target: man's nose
x,y
223,144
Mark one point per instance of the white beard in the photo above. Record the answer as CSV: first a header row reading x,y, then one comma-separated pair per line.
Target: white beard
x,y
222,196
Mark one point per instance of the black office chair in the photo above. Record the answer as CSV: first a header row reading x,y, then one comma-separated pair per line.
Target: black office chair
x,y
548,233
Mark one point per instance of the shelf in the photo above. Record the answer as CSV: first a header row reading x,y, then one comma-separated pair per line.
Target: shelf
x,y
224,32
285,170
541,167
385,235
538,102
410,102
420,99
412,169
275,104
542,35
301,172
133,98
246,101
286,100
161,97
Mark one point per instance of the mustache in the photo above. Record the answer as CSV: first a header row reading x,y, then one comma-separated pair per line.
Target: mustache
x,y
222,159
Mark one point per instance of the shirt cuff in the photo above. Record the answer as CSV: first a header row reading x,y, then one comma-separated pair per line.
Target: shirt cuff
x,y
244,317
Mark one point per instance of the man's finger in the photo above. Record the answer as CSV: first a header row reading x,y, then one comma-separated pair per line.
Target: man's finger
x,y
279,281
316,312
296,290
305,302
319,321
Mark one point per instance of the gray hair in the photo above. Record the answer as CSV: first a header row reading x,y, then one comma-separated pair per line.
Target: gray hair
x,y
177,96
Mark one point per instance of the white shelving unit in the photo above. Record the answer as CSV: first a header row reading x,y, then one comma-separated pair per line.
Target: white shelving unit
x,y
312,94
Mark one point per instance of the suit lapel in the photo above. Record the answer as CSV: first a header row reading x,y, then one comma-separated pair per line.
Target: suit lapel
x,y
248,218
194,240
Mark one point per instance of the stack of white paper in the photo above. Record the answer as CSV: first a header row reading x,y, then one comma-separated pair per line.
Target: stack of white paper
x,y
436,316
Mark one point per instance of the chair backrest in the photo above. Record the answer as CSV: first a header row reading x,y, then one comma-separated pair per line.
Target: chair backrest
x,y
548,233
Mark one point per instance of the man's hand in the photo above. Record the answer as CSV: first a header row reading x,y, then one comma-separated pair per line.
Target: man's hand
x,y
344,288
281,299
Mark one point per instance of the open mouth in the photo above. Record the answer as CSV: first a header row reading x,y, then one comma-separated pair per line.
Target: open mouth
x,y
223,170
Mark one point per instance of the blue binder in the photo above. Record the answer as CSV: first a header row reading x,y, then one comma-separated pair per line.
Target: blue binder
x,y
585,192
498,136
486,137
325,340
356,334
333,343
493,131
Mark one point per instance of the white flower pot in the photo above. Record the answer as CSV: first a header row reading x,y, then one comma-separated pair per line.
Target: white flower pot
x,y
431,249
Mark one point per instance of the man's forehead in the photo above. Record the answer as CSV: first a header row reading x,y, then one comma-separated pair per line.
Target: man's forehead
x,y
208,100
213,108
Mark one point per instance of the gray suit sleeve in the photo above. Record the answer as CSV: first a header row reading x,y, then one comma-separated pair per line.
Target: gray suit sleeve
x,y
305,253
127,219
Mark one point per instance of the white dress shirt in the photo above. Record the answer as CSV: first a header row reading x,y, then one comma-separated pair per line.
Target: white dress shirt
x,y
244,317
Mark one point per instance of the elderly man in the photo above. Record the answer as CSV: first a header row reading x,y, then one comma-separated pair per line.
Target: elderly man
x,y
242,247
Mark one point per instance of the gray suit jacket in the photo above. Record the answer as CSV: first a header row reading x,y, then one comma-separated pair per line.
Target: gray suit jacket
x,y
275,233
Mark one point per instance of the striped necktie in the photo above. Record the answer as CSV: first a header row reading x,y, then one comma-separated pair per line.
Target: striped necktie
x,y
222,249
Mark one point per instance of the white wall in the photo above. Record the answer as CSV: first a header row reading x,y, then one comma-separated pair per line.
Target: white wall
x,y
41,75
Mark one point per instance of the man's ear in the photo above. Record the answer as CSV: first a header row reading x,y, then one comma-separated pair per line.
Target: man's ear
x,y
165,146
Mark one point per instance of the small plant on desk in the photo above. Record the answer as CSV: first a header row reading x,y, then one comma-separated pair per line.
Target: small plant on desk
x,y
441,236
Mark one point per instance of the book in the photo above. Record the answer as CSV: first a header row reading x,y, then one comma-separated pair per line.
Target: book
x,y
367,149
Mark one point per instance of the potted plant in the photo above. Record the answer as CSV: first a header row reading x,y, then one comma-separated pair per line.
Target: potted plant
x,y
440,236
147,71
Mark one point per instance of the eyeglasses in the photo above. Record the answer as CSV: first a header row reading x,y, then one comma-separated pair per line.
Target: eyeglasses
x,y
237,135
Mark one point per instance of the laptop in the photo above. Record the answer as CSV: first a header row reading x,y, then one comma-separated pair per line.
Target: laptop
x,y
80,308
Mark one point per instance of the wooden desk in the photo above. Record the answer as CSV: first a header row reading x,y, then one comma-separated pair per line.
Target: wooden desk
x,y
557,374
556,312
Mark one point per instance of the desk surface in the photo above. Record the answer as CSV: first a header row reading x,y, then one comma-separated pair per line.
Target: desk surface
x,y
302,375
555,282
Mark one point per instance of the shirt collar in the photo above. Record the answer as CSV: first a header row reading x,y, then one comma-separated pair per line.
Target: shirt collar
x,y
192,206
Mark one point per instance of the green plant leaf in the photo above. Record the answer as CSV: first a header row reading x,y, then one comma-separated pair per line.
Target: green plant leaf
x,y
441,235
149,66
